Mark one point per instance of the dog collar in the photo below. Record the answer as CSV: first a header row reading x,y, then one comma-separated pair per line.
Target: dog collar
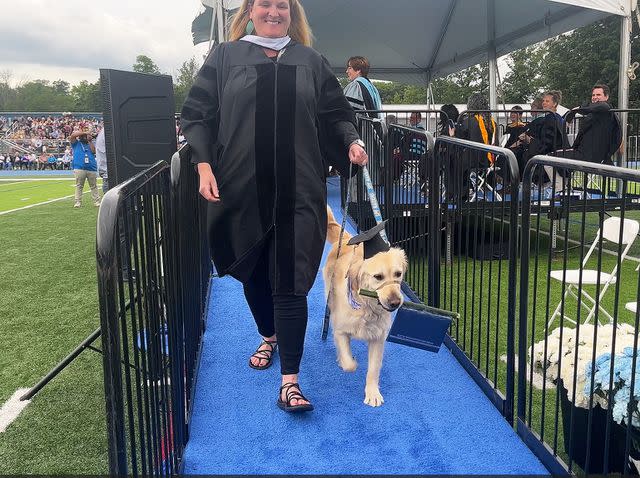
x,y
352,301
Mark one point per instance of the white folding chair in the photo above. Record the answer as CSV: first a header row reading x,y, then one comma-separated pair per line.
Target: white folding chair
x,y
610,232
480,187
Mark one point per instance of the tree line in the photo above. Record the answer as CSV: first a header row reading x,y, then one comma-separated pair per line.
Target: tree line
x,y
572,63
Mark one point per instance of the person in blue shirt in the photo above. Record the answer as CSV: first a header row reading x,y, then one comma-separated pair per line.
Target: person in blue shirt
x,y
84,165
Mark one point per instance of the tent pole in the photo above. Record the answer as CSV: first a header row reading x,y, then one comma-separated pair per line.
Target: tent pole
x,y
213,21
222,23
429,100
623,86
492,55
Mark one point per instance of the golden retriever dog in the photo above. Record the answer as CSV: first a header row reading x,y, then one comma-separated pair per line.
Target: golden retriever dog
x,y
356,316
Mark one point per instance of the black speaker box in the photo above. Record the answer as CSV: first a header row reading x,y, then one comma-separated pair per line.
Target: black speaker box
x,y
139,121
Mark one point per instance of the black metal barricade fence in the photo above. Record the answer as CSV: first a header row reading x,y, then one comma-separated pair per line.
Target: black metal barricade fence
x,y
455,209
194,263
398,158
578,317
460,236
373,132
409,155
475,214
152,278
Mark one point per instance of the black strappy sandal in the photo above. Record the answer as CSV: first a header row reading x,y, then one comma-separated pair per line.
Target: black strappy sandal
x,y
292,392
266,354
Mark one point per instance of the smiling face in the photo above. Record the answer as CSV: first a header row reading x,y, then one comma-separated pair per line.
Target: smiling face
x,y
598,95
271,18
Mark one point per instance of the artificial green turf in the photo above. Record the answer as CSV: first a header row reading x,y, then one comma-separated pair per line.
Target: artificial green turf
x,y
485,286
48,305
24,193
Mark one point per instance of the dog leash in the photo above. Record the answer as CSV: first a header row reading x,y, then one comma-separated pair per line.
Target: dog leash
x,y
373,200
325,322
375,207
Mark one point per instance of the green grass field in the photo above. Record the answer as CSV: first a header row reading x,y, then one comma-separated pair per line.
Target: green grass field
x,y
19,192
48,305
478,290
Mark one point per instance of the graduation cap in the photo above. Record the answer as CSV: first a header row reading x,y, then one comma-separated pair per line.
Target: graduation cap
x,y
373,241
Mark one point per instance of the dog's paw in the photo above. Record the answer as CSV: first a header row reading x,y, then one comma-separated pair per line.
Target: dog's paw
x,y
348,365
373,397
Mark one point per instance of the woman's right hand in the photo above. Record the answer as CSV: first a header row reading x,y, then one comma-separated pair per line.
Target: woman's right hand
x,y
208,184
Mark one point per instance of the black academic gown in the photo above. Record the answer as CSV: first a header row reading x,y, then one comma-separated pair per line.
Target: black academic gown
x,y
268,129
599,135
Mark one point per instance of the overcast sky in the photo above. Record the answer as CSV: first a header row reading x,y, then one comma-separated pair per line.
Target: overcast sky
x,y
72,39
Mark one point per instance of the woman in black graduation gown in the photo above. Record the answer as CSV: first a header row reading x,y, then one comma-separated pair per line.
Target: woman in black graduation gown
x,y
263,118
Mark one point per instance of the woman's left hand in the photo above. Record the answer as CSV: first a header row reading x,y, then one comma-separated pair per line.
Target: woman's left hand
x,y
357,155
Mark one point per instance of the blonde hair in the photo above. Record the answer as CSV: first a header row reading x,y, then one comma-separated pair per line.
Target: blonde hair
x,y
299,29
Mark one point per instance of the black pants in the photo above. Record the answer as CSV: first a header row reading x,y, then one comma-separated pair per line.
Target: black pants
x,y
284,315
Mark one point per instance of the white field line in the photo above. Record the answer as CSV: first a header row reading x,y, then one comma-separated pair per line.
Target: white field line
x,y
12,408
10,183
39,204
18,179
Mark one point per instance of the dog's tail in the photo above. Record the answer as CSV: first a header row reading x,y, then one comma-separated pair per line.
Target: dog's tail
x,y
333,228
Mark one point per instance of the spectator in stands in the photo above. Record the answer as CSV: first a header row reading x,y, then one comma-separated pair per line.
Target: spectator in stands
x,y
51,162
360,92
41,162
26,161
85,167
101,158
600,133
66,159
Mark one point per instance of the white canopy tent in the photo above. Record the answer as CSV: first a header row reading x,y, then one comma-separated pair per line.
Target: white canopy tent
x,y
416,41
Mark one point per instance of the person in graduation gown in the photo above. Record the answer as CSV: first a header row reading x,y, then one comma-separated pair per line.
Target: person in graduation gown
x,y
264,119
361,93
600,133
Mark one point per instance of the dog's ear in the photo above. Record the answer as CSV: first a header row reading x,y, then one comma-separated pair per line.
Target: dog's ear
x,y
403,260
354,274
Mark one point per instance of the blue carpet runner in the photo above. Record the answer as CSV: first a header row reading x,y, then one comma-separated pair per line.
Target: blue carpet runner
x,y
435,420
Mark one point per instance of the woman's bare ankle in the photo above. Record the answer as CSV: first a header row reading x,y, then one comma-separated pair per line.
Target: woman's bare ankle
x,y
290,378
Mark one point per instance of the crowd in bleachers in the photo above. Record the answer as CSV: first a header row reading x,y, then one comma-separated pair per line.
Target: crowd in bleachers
x,y
33,162
45,137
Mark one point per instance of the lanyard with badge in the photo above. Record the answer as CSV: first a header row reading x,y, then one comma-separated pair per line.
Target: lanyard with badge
x,y
86,153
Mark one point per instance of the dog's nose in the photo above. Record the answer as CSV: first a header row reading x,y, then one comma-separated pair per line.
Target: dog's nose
x,y
394,303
